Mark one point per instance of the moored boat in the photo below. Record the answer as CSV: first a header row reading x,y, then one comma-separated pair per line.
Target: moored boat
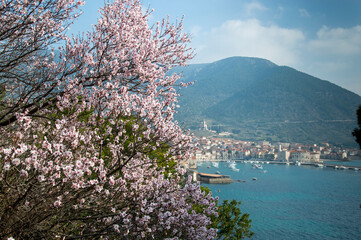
x,y
257,166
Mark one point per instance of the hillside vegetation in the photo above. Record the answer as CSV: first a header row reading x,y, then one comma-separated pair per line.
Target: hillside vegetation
x,y
256,99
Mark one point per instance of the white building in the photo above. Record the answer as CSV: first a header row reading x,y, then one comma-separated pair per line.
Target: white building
x,y
284,156
205,127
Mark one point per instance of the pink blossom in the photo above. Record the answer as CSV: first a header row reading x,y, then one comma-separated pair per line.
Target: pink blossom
x,y
6,166
16,161
24,173
41,178
57,203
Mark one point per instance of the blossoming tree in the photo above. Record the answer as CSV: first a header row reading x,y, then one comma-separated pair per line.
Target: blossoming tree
x,y
87,130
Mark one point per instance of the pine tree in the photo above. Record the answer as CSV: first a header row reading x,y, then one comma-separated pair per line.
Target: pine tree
x,y
357,131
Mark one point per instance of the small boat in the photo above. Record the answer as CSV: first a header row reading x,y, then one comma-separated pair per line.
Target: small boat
x,y
241,181
218,172
231,164
235,169
257,166
254,178
319,165
215,164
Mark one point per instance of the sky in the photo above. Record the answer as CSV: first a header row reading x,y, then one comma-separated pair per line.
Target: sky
x,y
319,37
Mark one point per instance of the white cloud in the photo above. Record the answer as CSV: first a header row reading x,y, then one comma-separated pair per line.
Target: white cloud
x,y
304,13
335,54
252,7
337,41
251,38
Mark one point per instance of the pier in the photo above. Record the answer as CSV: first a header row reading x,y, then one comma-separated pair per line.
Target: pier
x,y
335,166
210,178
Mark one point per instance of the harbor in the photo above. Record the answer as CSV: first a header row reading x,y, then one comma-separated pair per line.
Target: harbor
x,y
218,178
293,201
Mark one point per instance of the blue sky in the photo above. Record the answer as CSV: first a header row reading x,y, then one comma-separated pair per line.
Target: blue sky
x,y
318,37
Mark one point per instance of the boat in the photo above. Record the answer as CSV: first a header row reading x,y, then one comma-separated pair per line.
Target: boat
x,y
218,172
343,167
215,164
257,166
231,164
319,165
254,178
241,181
298,163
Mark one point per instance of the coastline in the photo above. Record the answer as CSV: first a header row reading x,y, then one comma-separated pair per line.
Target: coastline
x,y
337,165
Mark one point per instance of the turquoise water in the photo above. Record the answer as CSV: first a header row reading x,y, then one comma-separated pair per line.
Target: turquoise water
x,y
295,202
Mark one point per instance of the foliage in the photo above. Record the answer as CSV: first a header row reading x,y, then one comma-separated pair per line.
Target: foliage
x,y
229,220
231,223
89,146
357,131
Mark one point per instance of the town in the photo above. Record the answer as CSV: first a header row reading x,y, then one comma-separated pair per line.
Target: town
x,y
222,149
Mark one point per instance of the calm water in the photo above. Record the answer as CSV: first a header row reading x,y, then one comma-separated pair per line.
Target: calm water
x,y
295,202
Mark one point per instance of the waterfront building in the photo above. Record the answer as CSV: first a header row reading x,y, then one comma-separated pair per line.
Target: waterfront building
x,y
270,156
315,156
284,156
300,156
225,155
243,154
222,149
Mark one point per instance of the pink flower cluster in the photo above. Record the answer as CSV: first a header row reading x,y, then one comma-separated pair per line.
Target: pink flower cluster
x,y
106,107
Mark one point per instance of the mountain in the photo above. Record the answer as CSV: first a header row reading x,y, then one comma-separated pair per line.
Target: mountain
x,y
256,99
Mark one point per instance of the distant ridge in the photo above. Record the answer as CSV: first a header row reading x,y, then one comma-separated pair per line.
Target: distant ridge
x,y
256,99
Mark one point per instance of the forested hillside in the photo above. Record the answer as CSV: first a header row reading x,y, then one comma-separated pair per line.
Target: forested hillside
x,y
256,99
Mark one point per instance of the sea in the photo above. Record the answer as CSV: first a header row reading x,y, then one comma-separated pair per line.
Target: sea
x,y
294,202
